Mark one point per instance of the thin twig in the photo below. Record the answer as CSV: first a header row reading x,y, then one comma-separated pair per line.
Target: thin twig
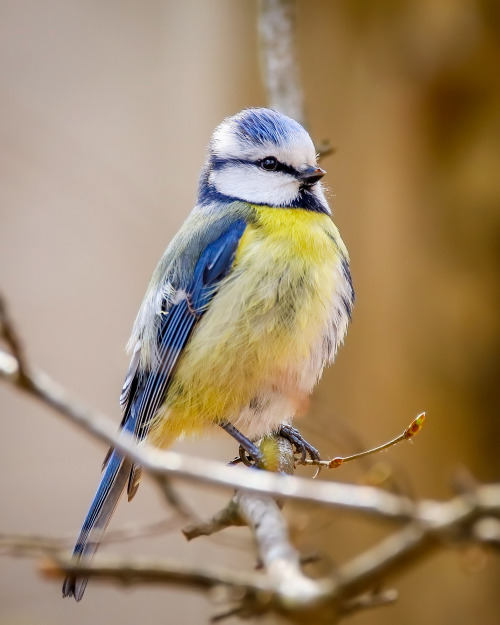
x,y
29,545
412,430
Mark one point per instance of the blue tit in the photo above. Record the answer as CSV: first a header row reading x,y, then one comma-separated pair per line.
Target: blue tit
x,y
250,301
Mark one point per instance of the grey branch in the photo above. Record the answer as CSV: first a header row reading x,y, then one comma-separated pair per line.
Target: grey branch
x,y
276,29
232,514
473,516
161,464
280,559
263,516
278,60
227,517
440,524
362,499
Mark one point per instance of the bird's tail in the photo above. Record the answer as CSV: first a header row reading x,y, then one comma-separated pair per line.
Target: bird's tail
x,y
114,479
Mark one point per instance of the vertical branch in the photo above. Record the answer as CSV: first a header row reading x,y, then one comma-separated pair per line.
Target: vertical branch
x,y
276,29
279,558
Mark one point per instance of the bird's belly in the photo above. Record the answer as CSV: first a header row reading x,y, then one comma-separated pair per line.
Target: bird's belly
x,y
260,347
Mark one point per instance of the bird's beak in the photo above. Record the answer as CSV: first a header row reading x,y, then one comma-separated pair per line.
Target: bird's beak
x,y
310,174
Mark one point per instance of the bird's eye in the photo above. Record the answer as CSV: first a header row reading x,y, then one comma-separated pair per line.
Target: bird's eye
x,y
269,163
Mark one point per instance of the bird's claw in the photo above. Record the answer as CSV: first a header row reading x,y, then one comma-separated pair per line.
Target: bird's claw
x,y
302,447
245,458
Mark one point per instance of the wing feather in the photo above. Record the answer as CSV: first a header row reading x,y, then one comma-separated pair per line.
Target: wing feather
x,y
144,391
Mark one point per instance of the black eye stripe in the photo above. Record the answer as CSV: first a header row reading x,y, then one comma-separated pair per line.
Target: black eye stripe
x,y
220,163
283,167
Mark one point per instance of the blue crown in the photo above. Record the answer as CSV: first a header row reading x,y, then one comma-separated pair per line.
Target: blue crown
x,y
260,125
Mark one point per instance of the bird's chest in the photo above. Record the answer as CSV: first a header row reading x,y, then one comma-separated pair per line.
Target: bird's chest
x,y
286,267
270,328
278,302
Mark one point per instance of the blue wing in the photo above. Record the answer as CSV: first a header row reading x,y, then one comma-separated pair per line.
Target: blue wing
x,y
144,391
174,331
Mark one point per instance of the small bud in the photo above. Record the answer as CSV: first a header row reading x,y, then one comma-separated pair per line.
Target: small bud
x,y
415,426
335,463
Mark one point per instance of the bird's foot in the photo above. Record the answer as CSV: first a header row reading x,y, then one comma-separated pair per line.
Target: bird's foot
x,y
302,447
245,458
249,454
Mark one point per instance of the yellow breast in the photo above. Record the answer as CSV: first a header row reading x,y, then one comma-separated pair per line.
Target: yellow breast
x,y
262,324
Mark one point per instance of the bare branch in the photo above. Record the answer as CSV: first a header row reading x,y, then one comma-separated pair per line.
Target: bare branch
x,y
276,28
132,532
283,459
19,545
438,525
364,499
452,522
278,60
412,430
32,545
133,572
263,516
279,558
161,464
368,601
16,366
227,517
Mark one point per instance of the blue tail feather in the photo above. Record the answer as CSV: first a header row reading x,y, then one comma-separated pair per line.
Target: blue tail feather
x,y
113,481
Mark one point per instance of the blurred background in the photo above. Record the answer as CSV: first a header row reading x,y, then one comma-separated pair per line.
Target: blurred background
x,y
107,108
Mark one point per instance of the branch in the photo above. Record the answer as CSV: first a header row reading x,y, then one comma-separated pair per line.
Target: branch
x,y
136,571
278,61
253,591
440,524
473,516
280,559
32,545
413,429
227,517
457,521
276,30
365,499
231,514
14,366
161,464
368,601
263,516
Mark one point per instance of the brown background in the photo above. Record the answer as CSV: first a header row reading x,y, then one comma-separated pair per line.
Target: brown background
x,y
106,111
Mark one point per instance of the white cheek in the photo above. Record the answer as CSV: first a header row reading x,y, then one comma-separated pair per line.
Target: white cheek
x,y
247,182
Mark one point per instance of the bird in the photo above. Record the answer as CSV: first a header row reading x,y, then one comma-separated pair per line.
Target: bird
x,y
248,304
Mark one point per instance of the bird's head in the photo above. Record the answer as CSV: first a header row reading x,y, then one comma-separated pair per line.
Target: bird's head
x,y
263,157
